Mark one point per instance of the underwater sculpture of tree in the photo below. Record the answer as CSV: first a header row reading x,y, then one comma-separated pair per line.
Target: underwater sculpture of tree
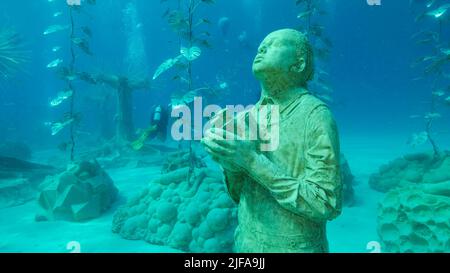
x,y
13,54
310,13
134,78
80,42
434,64
183,22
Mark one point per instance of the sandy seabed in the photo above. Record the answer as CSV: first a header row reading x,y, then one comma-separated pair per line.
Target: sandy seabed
x,y
352,231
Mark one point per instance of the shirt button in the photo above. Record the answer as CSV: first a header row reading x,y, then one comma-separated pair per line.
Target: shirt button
x,y
292,244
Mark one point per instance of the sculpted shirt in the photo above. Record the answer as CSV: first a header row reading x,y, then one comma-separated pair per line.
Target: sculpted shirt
x,y
287,195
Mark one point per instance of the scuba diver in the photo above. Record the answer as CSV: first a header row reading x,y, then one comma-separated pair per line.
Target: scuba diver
x,y
158,127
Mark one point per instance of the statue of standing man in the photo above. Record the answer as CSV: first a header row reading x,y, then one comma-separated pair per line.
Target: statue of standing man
x,y
285,196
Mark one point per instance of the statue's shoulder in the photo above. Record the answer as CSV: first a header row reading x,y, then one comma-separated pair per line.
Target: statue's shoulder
x,y
309,103
312,101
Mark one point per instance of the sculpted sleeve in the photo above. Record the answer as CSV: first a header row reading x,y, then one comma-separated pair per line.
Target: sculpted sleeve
x,y
233,184
318,193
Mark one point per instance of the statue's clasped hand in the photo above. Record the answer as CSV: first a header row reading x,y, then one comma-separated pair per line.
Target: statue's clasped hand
x,y
234,154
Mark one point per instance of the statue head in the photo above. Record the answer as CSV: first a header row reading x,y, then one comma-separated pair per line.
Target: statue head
x,y
287,54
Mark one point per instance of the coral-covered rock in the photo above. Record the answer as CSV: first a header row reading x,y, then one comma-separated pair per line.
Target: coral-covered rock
x,y
19,180
194,216
17,150
410,220
412,169
82,192
14,192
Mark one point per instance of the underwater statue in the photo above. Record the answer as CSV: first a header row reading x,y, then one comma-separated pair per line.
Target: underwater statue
x,y
286,196
124,87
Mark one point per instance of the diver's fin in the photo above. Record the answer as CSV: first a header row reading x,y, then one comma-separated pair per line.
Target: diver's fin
x,y
139,143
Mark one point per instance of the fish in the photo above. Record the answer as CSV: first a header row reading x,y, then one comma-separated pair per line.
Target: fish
x,y
432,115
436,66
223,85
77,40
56,127
54,63
187,98
203,21
55,28
71,77
191,54
62,96
422,59
446,51
438,93
424,41
57,14
437,13
427,33
66,74
447,100
177,20
82,44
56,48
323,72
304,14
417,139
166,65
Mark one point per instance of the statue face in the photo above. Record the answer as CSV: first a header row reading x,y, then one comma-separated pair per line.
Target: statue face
x,y
278,54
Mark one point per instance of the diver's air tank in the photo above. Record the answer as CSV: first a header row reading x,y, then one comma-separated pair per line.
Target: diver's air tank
x,y
157,114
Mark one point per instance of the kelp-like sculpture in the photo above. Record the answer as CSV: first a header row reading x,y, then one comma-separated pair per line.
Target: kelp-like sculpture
x,y
192,37
433,65
414,214
79,41
310,15
13,55
133,77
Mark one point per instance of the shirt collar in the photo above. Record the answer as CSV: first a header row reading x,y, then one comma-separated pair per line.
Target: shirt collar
x,y
283,101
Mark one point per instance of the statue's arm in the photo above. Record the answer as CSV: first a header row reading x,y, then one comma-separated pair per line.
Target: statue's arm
x,y
140,84
317,194
111,80
233,184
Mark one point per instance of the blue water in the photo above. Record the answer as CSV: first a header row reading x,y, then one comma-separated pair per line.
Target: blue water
x,y
374,93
